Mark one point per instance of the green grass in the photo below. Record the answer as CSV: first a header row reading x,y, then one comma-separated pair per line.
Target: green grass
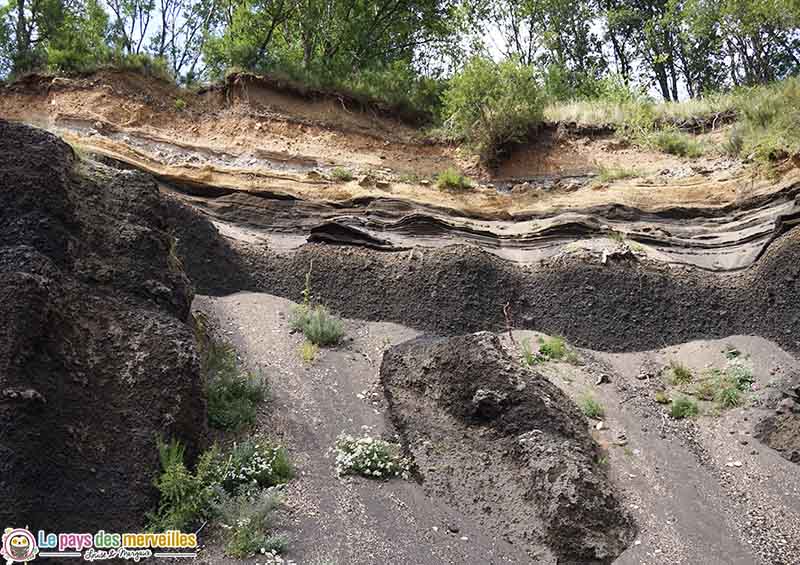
x,y
318,325
683,407
610,174
555,348
675,143
341,174
451,179
233,395
591,407
679,373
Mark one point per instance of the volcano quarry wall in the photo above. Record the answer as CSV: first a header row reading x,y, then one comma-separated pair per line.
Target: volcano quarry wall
x,y
96,356
624,303
504,444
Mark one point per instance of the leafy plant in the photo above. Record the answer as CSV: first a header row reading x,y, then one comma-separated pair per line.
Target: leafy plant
x,y
451,179
683,407
254,462
180,104
680,373
591,407
370,457
318,325
233,395
491,105
341,174
247,518
185,497
555,348
528,356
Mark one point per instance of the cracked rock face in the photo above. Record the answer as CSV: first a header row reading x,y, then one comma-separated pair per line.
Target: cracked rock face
x,y
96,355
501,442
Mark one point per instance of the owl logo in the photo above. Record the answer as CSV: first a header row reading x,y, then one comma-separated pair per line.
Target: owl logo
x,y
19,546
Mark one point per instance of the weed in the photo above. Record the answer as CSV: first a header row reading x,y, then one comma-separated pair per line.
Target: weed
x,y
683,407
591,407
727,395
340,174
662,397
308,351
609,174
254,462
370,457
528,356
555,348
740,374
246,517
233,395
676,143
180,104
185,497
617,236
451,179
318,325
680,373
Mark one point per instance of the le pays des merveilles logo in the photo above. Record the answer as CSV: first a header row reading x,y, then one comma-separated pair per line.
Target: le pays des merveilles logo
x,y
19,546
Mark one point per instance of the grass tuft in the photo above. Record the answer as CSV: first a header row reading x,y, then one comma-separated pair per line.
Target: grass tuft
x,y
591,407
610,174
233,395
318,325
451,179
683,407
340,174
679,373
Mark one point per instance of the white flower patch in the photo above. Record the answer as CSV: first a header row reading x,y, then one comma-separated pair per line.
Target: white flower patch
x,y
370,457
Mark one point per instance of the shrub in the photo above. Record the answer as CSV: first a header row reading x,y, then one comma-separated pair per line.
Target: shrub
x,y
341,174
676,143
490,105
740,374
451,179
591,407
317,324
609,174
185,497
556,348
727,395
369,457
180,104
233,395
680,373
683,407
246,517
253,462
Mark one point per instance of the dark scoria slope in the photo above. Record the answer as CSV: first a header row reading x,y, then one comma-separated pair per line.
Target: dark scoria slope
x,y
505,445
96,356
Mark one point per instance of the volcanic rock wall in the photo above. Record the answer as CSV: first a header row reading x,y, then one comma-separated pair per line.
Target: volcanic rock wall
x,y
96,355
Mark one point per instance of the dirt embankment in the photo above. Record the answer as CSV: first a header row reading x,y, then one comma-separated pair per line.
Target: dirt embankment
x,y
96,355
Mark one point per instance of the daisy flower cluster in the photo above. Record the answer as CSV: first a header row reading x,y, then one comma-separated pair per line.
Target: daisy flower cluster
x,y
251,462
370,457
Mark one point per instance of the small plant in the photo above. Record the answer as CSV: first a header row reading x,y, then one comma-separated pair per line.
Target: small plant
x,y
680,373
233,395
741,374
676,143
555,348
308,351
683,407
662,397
591,407
318,325
528,356
451,179
370,457
185,497
180,104
728,395
246,517
254,462
340,174
609,174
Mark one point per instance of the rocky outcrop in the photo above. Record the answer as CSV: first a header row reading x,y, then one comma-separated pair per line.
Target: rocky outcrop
x,y
781,430
96,355
502,443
